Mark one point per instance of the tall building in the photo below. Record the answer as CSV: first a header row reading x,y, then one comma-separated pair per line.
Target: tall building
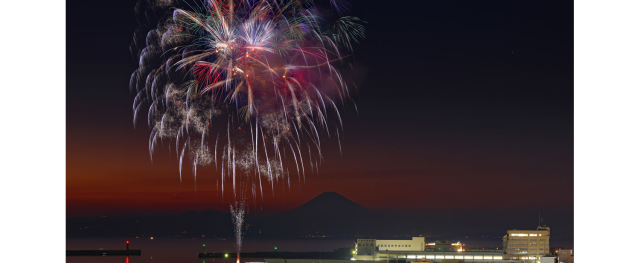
x,y
527,244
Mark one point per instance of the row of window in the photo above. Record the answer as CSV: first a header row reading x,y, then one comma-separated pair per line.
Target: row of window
x,y
528,238
392,245
525,243
475,257
524,235
524,252
527,257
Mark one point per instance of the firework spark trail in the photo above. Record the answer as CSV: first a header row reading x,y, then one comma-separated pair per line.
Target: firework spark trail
x,y
272,63
264,68
237,217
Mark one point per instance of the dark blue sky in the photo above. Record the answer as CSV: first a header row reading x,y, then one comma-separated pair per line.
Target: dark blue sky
x,y
461,105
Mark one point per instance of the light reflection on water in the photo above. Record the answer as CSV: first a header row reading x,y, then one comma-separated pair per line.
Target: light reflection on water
x,y
185,250
178,250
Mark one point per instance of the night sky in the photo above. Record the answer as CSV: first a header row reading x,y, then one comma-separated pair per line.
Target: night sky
x,y
461,105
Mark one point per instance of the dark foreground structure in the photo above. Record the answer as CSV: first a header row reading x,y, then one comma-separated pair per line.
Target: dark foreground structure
x,y
291,255
104,252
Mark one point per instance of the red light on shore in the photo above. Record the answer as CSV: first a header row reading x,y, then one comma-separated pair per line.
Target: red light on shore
x,y
127,241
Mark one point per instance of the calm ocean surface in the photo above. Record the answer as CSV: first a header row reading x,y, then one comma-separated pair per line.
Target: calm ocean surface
x,y
185,250
178,250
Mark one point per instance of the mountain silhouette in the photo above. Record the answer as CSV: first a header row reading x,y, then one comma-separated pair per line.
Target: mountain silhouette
x,y
328,214
327,204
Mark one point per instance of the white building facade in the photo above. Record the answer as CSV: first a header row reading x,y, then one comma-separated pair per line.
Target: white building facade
x,y
415,244
366,248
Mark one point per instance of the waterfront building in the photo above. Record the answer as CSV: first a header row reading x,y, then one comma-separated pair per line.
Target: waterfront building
x,y
365,247
527,244
415,244
416,250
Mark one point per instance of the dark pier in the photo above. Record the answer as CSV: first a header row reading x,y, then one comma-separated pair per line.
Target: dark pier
x,y
291,255
104,252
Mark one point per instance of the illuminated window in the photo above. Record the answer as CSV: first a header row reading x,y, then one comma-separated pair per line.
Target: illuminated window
x,y
439,257
430,257
448,257
468,257
497,257
459,257
488,257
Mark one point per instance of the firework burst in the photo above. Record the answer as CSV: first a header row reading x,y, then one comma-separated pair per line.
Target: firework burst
x,y
245,85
